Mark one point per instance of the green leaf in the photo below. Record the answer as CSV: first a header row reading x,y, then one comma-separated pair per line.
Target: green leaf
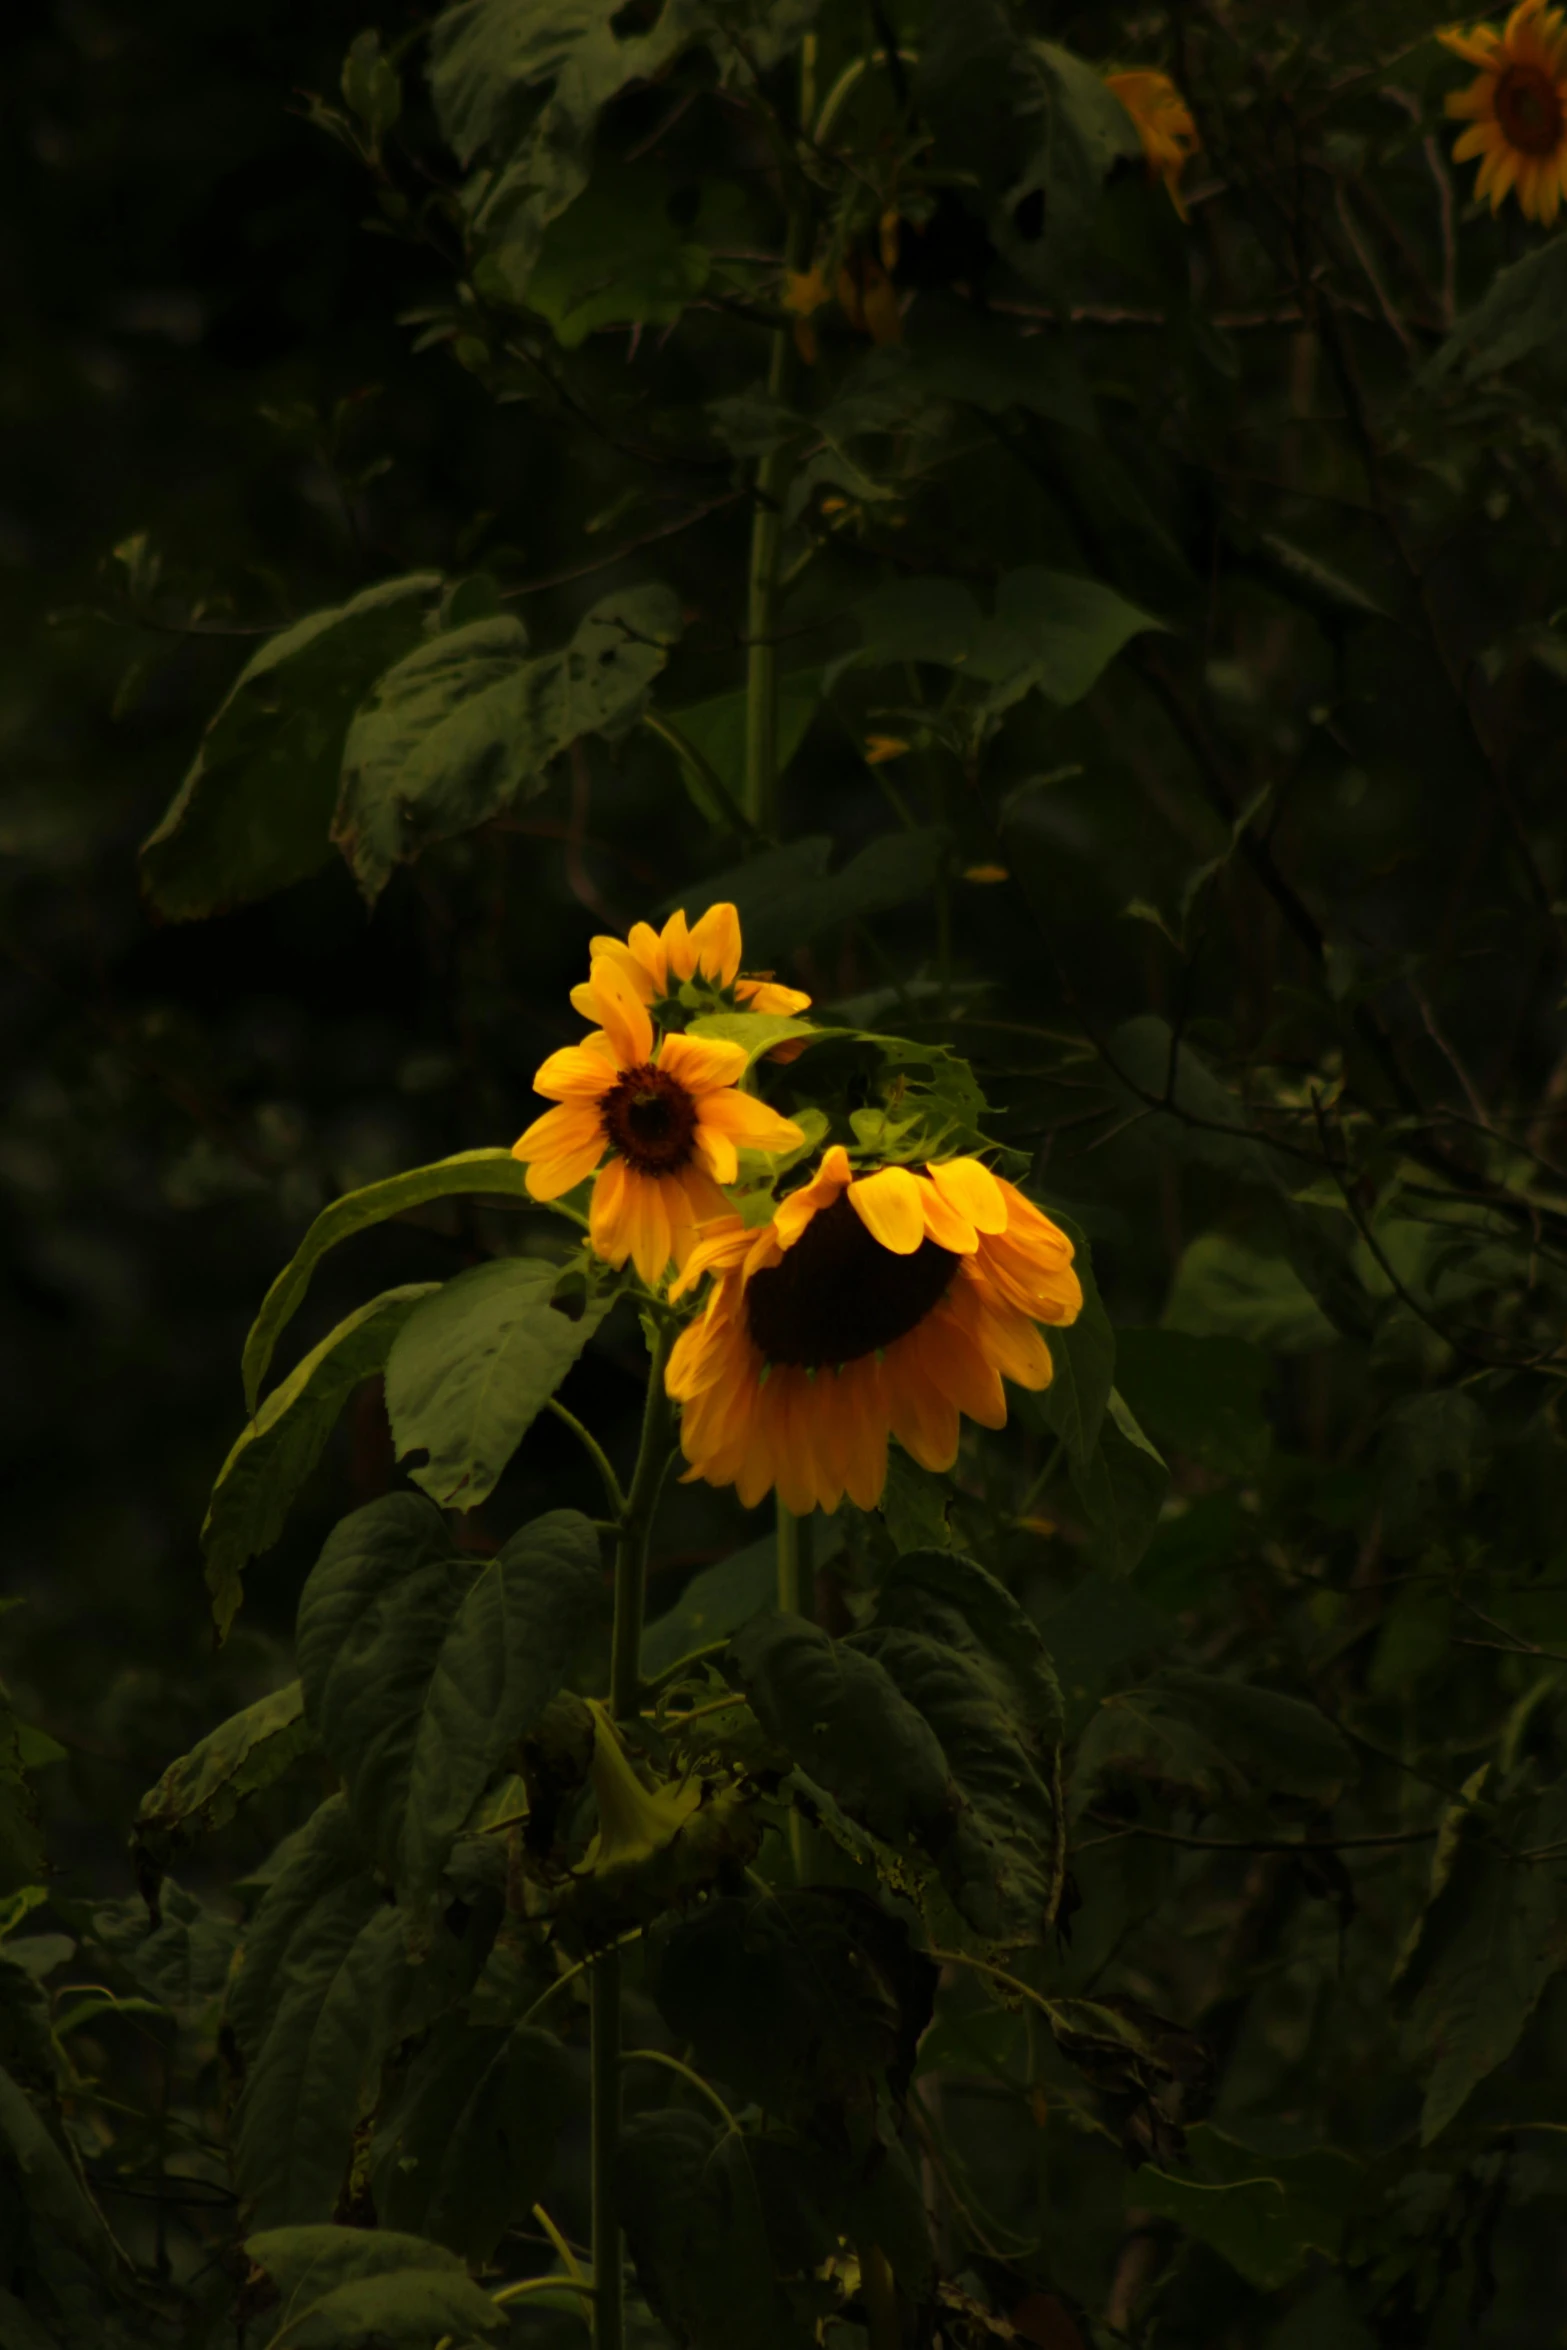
x,y
715,729
786,896
723,1597
962,353
487,54
338,2286
1052,631
843,1719
466,2151
467,725
915,1504
757,1031
472,1368
1218,1736
1225,1289
179,1954
800,2000
695,2228
954,1600
1522,314
1122,1487
274,1455
1493,1936
1001,1849
322,1978
371,86
1106,1624
422,1665
255,810
493,1172
1265,2215
618,257
1200,1396
205,1788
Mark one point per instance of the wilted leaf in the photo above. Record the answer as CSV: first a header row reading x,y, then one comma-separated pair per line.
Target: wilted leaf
x,y
205,1788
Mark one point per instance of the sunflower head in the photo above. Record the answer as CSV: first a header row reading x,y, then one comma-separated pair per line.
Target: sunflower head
x,y
889,1302
659,1121
1516,108
1163,121
687,967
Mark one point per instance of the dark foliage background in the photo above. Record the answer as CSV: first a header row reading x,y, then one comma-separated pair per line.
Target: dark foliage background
x,y
1312,828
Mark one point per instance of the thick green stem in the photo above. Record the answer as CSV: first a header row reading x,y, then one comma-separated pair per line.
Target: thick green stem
x,y
625,1684
609,2312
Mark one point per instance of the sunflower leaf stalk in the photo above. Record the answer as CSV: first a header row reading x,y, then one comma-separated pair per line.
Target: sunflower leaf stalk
x,y
636,1525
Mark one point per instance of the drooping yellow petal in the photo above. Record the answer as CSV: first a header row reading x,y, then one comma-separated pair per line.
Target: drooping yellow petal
x,y
794,1214
769,995
747,1121
969,1186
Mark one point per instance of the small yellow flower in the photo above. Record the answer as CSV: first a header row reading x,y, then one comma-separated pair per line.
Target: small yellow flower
x,y
670,1117
1516,108
658,962
1163,122
879,748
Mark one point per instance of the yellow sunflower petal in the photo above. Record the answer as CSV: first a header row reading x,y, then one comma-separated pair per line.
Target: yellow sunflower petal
x,y
888,1205
747,1121
560,1149
577,1072
679,954
943,1224
701,1063
717,1153
794,1214
1476,48
720,1249
606,1215
715,944
969,1186
1477,141
623,1013
768,995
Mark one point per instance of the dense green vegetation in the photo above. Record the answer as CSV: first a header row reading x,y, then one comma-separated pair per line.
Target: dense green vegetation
x,y
1078,564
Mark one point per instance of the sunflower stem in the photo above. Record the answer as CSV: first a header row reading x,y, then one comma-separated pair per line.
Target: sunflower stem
x,y
793,1600
625,1682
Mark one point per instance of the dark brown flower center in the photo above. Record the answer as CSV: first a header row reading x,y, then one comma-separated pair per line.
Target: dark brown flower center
x,y
1529,109
838,1294
650,1120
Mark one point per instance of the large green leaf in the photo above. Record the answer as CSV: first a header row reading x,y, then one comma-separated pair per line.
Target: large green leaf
x,y
954,1600
694,2223
1001,1848
274,1455
715,731
1493,1935
255,810
204,1789
1051,631
468,724
488,55
1122,1487
421,1665
1522,313
721,1598
800,2000
1215,1735
842,1718
46,2185
322,1976
340,2286
1225,1289
1266,2215
470,1172
619,256
178,1953
465,2152
21,1837
473,1367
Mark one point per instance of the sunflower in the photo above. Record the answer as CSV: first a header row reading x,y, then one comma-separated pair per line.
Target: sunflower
x,y
1163,122
1516,108
657,962
873,1305
670,1116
